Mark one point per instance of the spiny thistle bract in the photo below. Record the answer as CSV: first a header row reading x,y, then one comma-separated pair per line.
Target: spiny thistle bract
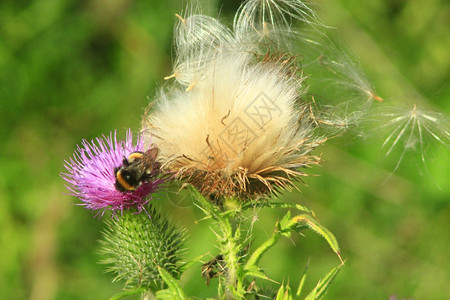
x,y
135,245
233,122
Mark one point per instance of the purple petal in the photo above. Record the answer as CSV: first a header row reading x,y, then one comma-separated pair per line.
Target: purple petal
x,y
91,175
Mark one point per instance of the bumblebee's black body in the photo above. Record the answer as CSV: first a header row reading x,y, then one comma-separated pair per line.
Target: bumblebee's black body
x,y
139,167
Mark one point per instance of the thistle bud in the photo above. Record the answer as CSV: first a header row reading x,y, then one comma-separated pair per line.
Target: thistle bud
x,y
134,245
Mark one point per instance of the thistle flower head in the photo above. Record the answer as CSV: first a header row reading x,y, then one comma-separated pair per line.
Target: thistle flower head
x,y
240,127
91,175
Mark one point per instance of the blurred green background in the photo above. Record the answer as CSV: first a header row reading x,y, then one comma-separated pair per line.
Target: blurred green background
x,y
78,69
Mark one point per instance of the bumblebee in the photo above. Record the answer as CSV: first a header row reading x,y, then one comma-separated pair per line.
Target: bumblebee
x,y
139,167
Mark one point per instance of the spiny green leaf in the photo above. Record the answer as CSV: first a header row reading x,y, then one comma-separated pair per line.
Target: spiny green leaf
x,y
127,293
255,271
288,293
268,204
323,284
285,226
280,293
187,265
165,294
257,254
312,295
284,293
176,291
302,281
203,203
321,230
199,197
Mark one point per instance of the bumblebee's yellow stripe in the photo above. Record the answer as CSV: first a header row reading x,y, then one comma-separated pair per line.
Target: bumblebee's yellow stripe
x,y
135,155
123,182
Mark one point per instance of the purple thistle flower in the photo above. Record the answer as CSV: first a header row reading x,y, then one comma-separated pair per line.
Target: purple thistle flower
x,y
91,175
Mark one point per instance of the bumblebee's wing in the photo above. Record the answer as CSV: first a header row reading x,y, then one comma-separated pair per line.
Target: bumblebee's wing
x,y
152,153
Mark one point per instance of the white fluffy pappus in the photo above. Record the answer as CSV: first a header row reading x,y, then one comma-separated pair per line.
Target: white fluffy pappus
x,y
257,25
196,39
232,123
411,128
240,131
271,20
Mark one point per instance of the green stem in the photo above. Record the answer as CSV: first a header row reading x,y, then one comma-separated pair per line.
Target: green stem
x,y
230,248
229,243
